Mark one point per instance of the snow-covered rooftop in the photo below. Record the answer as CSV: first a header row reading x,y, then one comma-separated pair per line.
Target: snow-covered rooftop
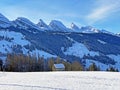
x,y
59,65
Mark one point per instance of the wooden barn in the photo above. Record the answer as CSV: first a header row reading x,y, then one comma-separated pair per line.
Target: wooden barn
x,y
58,67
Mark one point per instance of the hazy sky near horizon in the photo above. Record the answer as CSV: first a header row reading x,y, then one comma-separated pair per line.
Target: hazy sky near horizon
x,y
102,14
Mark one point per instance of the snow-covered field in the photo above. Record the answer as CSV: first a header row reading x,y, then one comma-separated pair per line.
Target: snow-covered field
x,y
60,81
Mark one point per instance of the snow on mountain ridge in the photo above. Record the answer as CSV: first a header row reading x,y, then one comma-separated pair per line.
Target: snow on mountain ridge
x,y
58,26
41,24
75,28
105,31
4,22
54,25
118,34
89,29
25,23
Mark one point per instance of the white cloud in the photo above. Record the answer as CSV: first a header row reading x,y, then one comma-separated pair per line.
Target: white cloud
x,y
103,10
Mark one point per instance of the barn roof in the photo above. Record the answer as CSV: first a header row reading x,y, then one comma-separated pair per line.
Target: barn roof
x,y
59,65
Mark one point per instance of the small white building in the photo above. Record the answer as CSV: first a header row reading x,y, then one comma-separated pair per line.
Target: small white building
x,y
58,67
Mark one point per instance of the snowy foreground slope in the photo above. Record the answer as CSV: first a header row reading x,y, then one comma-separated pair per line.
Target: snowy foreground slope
x,y
60,81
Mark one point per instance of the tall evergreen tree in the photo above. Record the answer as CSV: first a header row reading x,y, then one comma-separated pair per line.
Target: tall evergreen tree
x,y
93,67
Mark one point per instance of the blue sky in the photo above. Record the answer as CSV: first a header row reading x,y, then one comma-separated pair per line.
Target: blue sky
x,y
102,14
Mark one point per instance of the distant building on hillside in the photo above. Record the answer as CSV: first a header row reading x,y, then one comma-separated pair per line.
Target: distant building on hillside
x,y
58,67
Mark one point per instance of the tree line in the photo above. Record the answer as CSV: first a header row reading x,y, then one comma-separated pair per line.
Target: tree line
x,y
31,63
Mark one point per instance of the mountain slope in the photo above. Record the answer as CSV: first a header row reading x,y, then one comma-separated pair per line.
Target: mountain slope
x,y
58,26
41,24
87,46
24,23
4,22
75,28
89,29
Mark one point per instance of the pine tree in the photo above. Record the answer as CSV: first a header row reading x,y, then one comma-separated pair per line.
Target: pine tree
x,y
93,67
1,65
112,69
117,70
50,63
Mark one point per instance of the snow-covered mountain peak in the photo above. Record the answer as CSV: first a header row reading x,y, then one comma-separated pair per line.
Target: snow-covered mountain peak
x,y
41,24
89,29
57,26
24,23
75,28
4,22
105,31
118,34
